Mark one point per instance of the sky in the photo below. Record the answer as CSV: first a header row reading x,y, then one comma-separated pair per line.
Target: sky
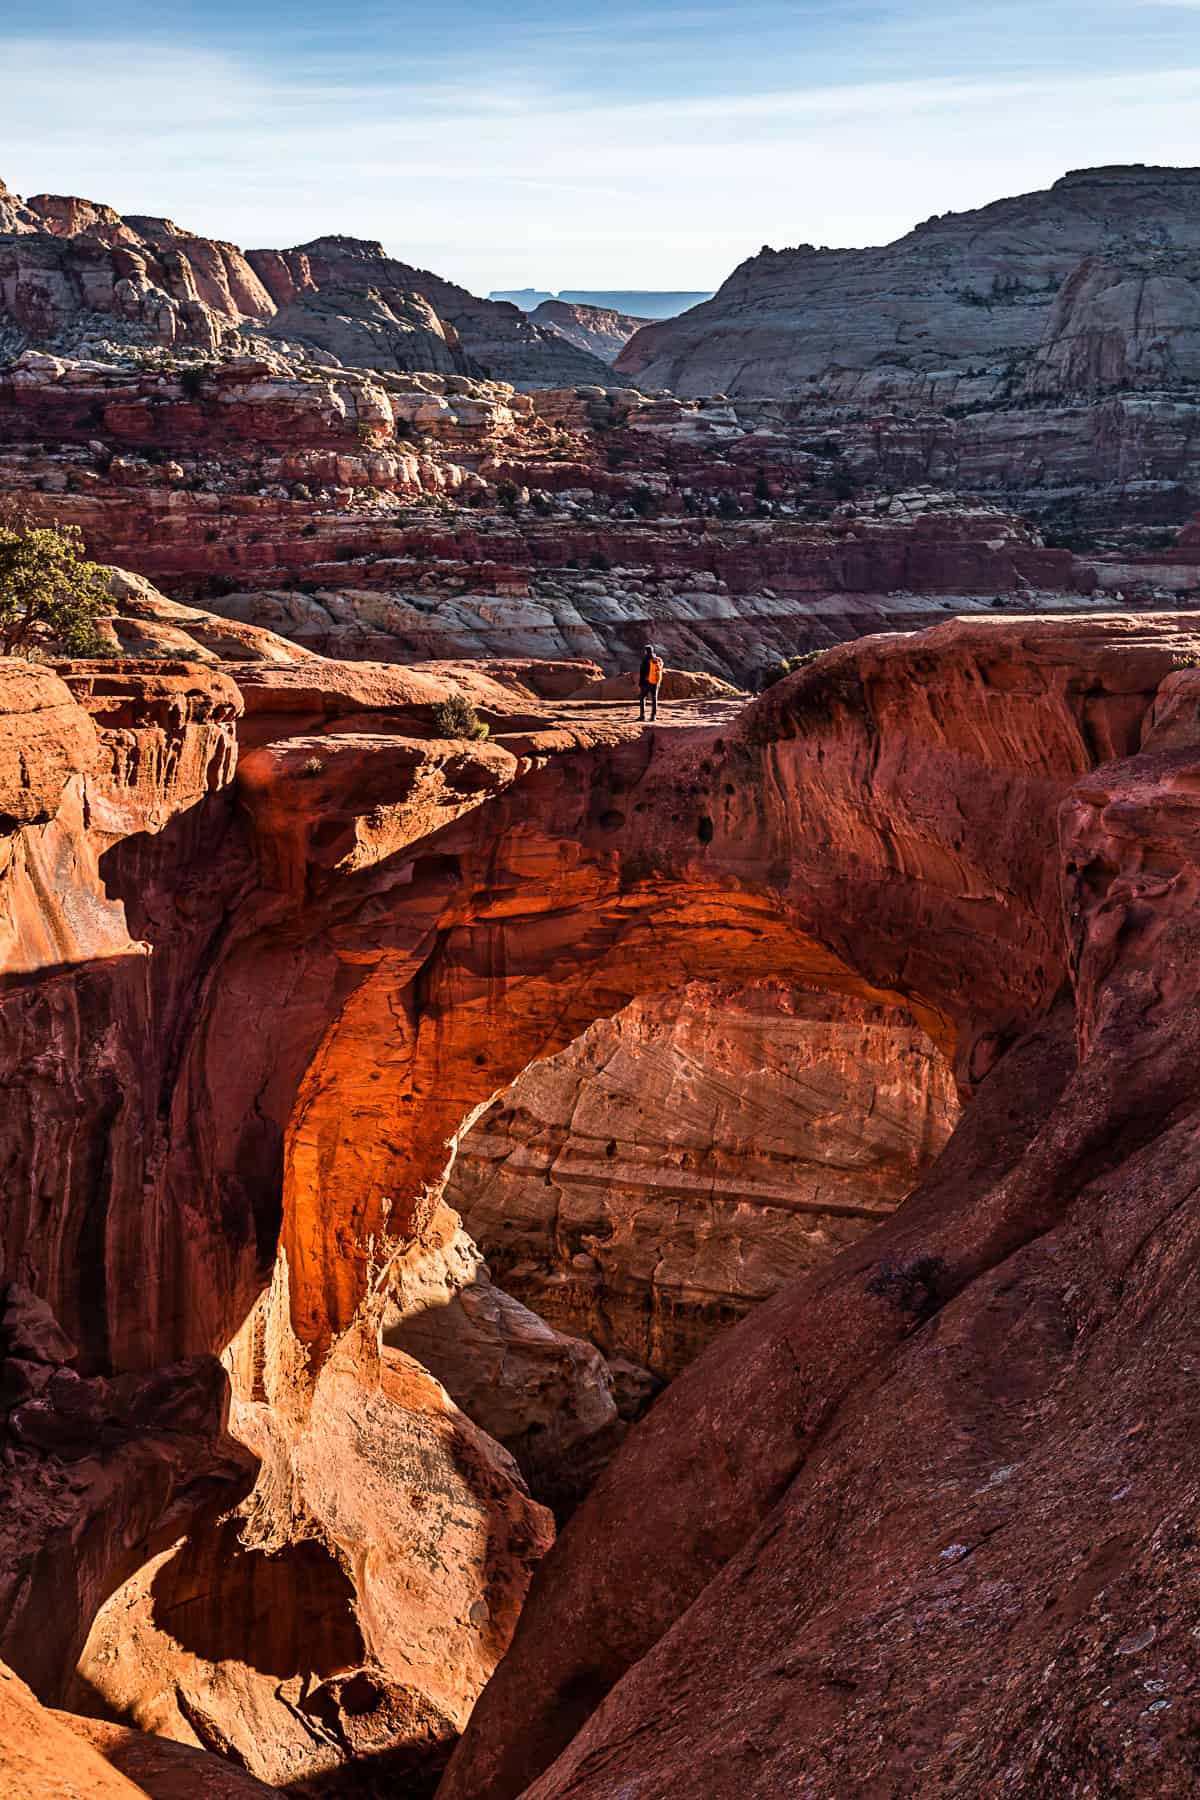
x,y
540,143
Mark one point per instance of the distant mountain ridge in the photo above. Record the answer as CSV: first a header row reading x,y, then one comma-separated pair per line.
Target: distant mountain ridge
x,y
74,272
1091,284
650,303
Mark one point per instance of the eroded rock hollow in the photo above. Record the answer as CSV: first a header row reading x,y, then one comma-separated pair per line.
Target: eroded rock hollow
x,y
685,1158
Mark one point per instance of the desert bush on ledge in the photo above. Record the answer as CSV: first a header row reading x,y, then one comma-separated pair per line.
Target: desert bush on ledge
x,y
455,717
787,665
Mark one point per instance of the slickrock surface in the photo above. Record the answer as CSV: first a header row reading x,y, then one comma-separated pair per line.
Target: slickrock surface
x,y
1090,283
249,1011
42,1758
162,1769
684,1159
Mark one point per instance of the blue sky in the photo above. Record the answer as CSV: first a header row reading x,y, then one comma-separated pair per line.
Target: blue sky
x,y
585,146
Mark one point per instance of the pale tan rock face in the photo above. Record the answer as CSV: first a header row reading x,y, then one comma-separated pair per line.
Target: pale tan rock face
x,y
597,329
687,1157
161,1769
71,269
965,307
959,306
547,1397
356,1607
41,1755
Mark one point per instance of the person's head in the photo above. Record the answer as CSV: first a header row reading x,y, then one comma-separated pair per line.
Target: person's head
x,y
649,650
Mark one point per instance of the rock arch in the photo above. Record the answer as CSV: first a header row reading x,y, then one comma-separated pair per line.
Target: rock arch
x,y
392,927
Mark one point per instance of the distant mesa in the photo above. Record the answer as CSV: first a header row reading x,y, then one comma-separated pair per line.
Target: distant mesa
x,y
637,303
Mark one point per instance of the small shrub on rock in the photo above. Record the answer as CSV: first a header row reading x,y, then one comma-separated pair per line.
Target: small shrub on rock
x,y
455,717
916,1287
787,665
49,591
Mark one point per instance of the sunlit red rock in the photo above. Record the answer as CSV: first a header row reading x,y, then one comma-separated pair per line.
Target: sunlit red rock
x,y
270,1011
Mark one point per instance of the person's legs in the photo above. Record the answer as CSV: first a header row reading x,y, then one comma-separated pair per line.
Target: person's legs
x,y
653,704
641,703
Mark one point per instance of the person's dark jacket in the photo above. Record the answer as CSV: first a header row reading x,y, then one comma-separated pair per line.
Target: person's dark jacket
x,y
644,673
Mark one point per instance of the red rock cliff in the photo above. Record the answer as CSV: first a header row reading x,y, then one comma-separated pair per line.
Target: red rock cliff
x,y
268,1011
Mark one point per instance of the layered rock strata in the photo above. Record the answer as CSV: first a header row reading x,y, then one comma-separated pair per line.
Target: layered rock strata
x,y
597,329
1091,283
425,516
683,1160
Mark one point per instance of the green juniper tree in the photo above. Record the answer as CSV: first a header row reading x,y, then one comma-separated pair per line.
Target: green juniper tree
x,y
49,591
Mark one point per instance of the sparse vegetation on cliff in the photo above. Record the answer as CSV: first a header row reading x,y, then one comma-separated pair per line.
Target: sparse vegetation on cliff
x,y
787,665
51,596
455,717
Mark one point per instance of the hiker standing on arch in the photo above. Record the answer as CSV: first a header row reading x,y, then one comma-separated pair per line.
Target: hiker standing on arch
x,y
649,681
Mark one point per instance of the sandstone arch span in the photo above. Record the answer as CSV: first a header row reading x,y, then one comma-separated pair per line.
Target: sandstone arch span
x,y
383,929
884,825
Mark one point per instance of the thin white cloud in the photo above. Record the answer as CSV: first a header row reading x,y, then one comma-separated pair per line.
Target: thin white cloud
x,y
500,186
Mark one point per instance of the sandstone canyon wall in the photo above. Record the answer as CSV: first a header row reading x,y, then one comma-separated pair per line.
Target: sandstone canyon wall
x,y
597,329
1090,283
1035,346
405,517
307,440
307,1555
682,1160
74,272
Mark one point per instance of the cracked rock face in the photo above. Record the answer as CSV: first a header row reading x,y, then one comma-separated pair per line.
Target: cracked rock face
x,y
683,1160
71,269
1091,282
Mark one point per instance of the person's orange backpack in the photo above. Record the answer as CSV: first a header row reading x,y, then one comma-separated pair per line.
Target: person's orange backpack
x,y
654,673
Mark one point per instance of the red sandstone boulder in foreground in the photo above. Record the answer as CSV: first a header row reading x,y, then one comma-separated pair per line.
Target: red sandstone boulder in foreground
x,y
165,1770
48,1755
42,1758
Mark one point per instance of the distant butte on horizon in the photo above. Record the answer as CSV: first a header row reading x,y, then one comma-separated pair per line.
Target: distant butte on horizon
x,y
639,303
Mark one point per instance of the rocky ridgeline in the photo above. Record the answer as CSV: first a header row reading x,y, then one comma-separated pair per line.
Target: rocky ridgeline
x,y
1089,285
1045,348
73,273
